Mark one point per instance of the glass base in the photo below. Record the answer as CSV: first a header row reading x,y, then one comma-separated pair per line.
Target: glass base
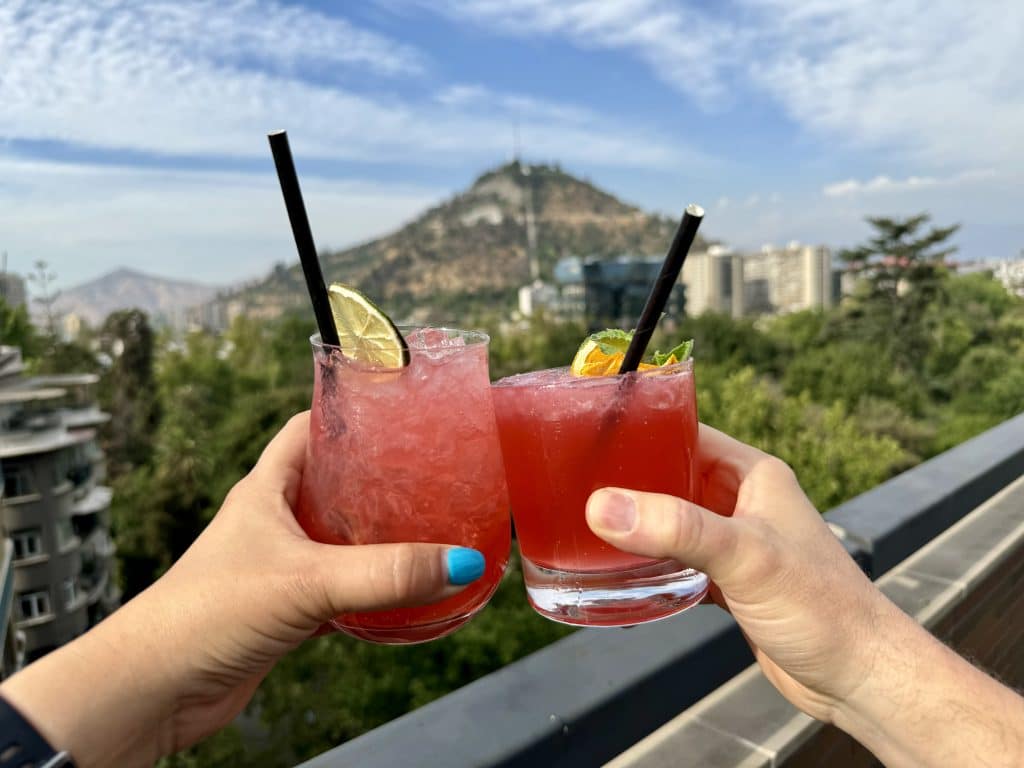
x,y
620,598
409,635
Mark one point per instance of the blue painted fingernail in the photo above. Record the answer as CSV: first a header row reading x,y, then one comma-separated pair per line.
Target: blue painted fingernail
x,y
464,565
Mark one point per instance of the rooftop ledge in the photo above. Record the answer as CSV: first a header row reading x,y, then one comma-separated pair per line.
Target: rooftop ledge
x,y
946,539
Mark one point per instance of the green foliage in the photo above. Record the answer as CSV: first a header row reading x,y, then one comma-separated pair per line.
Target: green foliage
x,y
221,400
16,330
905,279
723,340
832,454
128,389
536,344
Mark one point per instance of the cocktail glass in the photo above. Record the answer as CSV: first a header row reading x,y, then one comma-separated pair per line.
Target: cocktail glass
x,y
564,436
408,455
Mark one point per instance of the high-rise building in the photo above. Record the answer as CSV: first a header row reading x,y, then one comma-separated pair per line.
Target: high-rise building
x,y
712,278
773,281
615,291
55,508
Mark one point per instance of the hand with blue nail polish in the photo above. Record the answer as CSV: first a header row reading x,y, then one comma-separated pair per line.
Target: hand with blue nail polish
x,y
191,649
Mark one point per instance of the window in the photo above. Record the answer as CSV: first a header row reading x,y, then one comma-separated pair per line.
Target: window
x,y
65,533
17,481
69,589
27,543
61,467
34,604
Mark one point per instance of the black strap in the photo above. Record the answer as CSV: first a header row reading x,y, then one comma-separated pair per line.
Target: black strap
x,y
22,746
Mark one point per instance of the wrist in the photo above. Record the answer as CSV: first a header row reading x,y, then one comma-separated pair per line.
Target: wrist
x,y
99,697
898,650
924,705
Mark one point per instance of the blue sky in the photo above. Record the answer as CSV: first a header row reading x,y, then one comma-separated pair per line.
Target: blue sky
x,y
133,133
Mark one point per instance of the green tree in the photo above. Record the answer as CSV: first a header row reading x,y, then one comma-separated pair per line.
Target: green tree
x,y
537,343
128,390
724,340
834,457
43,278
16,329
903,268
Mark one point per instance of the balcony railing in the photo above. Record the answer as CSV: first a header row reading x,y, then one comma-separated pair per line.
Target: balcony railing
x,y
596,695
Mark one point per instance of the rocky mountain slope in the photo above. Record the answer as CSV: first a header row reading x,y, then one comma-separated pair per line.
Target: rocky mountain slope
x,y
470,252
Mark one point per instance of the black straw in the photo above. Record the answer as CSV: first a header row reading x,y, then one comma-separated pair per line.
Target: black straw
x,y
663,286
303,235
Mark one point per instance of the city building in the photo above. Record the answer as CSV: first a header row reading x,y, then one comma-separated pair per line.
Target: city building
x,y
12,643
713,280
790,279
12,289
1010,272
615,291
772,281
564,297
55,508
536,297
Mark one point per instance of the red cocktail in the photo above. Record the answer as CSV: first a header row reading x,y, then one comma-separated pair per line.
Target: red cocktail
x,y
408,454
564,436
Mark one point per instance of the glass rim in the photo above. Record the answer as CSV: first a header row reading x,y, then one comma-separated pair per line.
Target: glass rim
x,y
682,367
472,338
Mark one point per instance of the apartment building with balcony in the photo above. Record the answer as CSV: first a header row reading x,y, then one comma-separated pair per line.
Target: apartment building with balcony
x,y
12,643
55,508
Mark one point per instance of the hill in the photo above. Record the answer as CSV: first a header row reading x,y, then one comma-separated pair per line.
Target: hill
x,y
163,299
469,252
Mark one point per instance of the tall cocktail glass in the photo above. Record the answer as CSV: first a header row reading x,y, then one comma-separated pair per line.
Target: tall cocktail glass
x,y
409,454
564,436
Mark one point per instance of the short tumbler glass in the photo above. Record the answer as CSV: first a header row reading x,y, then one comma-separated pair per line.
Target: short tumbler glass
x,y
564,436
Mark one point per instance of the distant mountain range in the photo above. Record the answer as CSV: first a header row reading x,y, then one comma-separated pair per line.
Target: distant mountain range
x,y
470,252
164,300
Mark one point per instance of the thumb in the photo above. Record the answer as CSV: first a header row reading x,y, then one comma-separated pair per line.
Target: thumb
x,y
378,576
657,525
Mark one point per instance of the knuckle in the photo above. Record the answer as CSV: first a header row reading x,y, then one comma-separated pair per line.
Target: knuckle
x,y
306,590
409,570
297,419
778,470
686,529
765,552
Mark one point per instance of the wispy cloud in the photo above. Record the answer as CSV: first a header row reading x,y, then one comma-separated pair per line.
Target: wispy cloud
x,y
886,184
938,80
686,47
942,82
209,78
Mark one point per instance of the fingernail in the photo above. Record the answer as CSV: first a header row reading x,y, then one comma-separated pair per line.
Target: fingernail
x,y
464,565
617,512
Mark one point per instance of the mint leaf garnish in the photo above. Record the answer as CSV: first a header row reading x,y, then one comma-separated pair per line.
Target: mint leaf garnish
x,y
612,341
681,352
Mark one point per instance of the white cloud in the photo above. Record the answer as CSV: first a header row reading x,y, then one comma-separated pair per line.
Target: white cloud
x,y
210,78
886,184
939,81
216,227
685,46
